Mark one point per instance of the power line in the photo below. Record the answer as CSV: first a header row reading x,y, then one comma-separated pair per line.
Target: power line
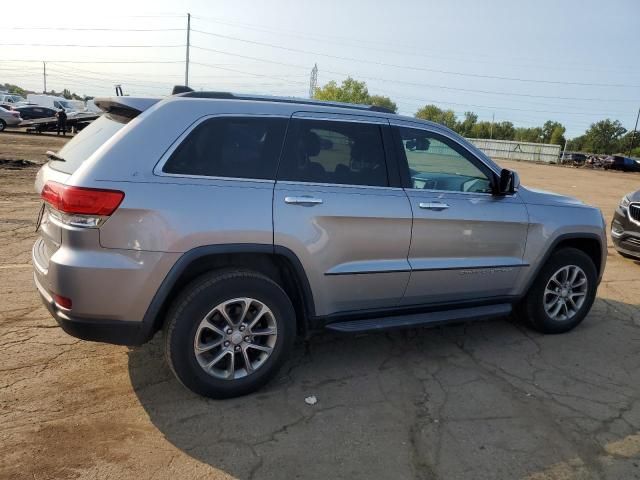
x,y
340,40
98,61
410,67
95,29
445,87
73,45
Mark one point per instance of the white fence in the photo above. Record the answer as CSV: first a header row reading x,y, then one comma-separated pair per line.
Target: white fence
x,y
514,150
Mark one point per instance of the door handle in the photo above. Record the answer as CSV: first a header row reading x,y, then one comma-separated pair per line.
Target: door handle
x,y
433,205
302,200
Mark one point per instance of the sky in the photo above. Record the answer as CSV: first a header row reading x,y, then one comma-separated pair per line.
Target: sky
x,y
572,61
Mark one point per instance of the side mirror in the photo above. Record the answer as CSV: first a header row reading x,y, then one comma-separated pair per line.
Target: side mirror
x,y
505,183
516,181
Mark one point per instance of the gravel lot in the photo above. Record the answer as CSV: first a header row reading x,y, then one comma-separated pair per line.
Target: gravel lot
x,y
489,400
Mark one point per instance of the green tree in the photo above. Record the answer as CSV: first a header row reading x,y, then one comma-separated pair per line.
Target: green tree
x,y
576,144
350,91
465,127
382,101
604,136
548,129
436,114
557,135
531,134
504,131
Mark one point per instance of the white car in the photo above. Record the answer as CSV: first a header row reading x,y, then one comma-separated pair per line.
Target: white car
x,y
9,118
12,99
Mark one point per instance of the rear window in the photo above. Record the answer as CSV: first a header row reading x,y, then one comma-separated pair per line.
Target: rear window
x,y
235,147
84,144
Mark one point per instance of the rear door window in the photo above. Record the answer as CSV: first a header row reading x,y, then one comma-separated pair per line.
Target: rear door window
x,y
334,152
231,147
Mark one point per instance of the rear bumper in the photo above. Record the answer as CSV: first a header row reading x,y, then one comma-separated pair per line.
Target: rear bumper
x,y
119,332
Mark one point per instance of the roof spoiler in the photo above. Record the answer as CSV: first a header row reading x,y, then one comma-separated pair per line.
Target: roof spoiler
x,y
127,107
180,89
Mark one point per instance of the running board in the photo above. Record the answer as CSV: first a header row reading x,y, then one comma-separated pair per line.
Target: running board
x,y
422,319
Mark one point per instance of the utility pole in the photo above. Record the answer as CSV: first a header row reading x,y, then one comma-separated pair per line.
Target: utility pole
x,y
44,76
493,118
313,81
633,134
563,151
186,70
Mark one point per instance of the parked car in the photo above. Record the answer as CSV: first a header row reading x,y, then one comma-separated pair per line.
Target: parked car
x,y
9,118
618,162
32,112
625,227
574,158
235,222
12,99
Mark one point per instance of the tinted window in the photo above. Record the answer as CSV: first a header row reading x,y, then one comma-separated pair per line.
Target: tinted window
x,y
322,151
241,147
436,163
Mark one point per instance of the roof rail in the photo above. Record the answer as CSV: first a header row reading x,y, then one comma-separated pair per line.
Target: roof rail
x,y
266,98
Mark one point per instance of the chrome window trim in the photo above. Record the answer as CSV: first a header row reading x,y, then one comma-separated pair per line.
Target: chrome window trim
x,y
455,192
157,170
341,185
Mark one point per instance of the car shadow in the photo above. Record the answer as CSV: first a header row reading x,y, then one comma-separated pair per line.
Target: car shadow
x,y
409,403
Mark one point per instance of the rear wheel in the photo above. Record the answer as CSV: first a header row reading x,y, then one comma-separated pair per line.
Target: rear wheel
x,y
228,333
562,294
3,125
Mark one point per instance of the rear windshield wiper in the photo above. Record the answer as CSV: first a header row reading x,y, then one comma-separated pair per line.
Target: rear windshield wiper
x,y
52,156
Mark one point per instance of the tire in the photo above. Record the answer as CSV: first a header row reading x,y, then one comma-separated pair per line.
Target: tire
x,y
532,308
235,292
3,125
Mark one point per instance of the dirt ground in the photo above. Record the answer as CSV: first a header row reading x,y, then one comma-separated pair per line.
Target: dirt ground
x,y
489,400
29,146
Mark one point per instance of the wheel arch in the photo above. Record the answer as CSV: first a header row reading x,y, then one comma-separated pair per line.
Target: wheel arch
x,y
589,243
278,263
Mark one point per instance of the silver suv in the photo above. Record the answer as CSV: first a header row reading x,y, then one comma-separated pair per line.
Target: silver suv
x,y
236,223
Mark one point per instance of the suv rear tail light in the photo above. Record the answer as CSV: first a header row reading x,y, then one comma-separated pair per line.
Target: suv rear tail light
x,y
79,206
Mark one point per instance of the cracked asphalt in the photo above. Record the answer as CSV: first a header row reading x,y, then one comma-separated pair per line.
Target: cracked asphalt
x,y
489,400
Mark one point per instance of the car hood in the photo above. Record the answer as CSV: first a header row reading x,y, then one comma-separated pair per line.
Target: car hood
x,y
543,197
634,196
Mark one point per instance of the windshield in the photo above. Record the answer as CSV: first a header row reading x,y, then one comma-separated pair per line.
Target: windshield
x,y
83,145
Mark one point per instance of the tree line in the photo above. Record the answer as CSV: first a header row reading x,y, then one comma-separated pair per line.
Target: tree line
x,y
603,137
66,93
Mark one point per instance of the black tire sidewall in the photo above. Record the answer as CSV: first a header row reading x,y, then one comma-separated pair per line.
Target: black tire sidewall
x,y
537,316
199,298
3,125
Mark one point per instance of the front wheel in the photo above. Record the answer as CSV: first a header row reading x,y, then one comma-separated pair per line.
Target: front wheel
x,y
3,125
228,333
562,294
